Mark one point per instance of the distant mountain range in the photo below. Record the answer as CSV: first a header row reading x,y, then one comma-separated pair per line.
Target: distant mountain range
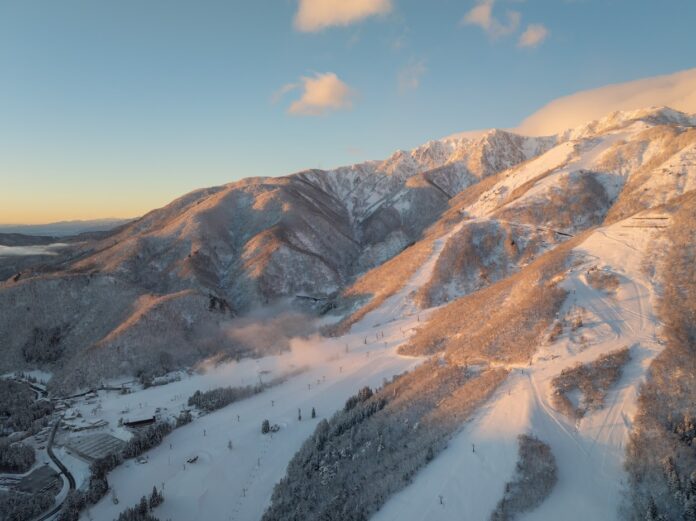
x,y
63,228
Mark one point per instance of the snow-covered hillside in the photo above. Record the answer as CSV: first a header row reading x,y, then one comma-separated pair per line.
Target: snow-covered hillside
x,y
589,451
173,278
505,274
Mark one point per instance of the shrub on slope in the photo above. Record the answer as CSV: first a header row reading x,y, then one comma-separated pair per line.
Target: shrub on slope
x,y
593,380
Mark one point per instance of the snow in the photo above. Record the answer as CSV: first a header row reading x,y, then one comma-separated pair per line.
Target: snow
x,y
551,160
471,473
231,481
237,483
589,453
42,377
401,304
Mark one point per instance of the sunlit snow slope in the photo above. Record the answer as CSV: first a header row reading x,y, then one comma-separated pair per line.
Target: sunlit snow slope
x,y
589,453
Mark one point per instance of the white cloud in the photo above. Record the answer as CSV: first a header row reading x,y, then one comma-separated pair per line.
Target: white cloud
x,y
533,35
315,15
321,94
482,16
288,87
410,76
677,91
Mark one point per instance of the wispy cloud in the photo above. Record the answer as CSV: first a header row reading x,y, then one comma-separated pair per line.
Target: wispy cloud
x,y
482,16
321,94
533,36
315,15
409,77
288,87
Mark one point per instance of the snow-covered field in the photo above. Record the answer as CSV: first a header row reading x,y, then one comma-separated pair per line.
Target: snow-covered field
x,y
237,483
471,473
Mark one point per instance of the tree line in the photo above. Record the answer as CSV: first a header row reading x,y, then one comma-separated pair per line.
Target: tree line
x,y
16,457
20,506
19,408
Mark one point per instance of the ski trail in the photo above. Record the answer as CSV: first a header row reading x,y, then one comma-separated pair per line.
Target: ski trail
x,y
400,304
239,482
589,453
467,473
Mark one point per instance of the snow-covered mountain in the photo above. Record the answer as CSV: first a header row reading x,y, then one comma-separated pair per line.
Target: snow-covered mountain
x,y
531,286
218,252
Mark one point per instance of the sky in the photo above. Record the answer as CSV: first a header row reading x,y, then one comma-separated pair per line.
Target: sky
x,y
113,108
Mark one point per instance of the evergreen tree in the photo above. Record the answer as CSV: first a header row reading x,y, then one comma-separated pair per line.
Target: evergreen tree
x,y
143,506
184,418
314,413
651,512
429,455
690,509
691,485
670,471
156,498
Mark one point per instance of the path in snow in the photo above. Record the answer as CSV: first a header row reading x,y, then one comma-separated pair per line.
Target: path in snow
x,y
589,453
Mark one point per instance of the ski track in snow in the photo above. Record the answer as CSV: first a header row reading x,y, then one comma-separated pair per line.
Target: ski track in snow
x,y
589,453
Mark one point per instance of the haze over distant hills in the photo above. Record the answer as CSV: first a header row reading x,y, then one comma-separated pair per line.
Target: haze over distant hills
x,y
64,228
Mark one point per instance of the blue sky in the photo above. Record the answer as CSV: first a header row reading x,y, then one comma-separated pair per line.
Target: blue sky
x,y
113,108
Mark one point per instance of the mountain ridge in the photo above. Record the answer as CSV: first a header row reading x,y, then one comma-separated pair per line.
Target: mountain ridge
x,y
242,245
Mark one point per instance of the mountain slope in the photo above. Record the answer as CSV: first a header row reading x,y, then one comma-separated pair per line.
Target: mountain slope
x,y
515,291
607,169
582,298
219,252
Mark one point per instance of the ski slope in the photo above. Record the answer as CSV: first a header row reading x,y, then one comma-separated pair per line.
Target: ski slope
x,y
468,478
237,483
401,304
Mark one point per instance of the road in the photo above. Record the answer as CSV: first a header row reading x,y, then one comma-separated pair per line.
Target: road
x,y
63,469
